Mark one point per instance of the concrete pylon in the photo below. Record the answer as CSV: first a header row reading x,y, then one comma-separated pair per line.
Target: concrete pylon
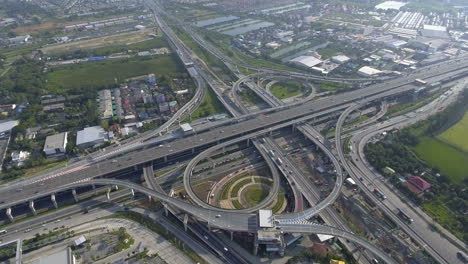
x,y
108,193
255,248
149,198
166,211
116,187
54,200
74,195
31,206
10,215
94,189
133,192
185,221
232,235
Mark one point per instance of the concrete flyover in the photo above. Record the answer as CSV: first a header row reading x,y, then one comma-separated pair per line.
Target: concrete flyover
x,y
191,165
233,221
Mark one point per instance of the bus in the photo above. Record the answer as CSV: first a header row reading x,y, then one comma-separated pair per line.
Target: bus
x,y
420,81
405,216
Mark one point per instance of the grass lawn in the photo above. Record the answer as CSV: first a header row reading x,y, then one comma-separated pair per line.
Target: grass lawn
x,y
44,168
210,106
327,52
279,202
256,194
456,135
96,75
331,86
443,216
284,90
450,161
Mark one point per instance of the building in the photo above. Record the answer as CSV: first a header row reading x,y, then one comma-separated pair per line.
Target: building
x,y
340,59
432,31
62,257
91,137
56,144
19,157
306,61
417,185
367,71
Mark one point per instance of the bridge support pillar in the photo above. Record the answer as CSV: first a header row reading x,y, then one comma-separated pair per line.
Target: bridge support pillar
x,y
54,200
255,247
108,192
193,150
10,215
248,142
166,211
116,187
209,227
165,158
31,206
185,221
74,195
232,235
94,189
132,192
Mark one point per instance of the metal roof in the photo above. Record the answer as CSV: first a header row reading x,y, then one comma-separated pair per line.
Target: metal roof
x,y
56,141
90,134
8,125
308,61
265,217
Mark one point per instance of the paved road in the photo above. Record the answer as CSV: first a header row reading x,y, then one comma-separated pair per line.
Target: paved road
x,y
437,246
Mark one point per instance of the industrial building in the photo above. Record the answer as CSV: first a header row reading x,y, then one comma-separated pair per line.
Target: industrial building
x,y
56,144
367,71
340,59
306,61
91,137
431,31
62,257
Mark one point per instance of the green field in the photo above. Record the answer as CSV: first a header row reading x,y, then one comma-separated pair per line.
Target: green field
x,y
97,75
210,106
331,86
255,194
456,136
443,216
450,161
327,52
283,90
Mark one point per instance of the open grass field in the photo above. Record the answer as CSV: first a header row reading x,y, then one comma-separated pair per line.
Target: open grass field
x,y
284,90
256,194
327,52
210,106
444,216
331,86
456,136
95,75
450,161
117,39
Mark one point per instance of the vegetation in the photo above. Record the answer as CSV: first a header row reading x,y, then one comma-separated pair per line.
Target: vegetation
x,y
280,199
331,86
327,52
311,257
288,89
418,151
125,240
239,185
456,135
210,106
255,194
107,73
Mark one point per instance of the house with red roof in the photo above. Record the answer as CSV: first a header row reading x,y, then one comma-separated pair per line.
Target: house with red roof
x,y
417,185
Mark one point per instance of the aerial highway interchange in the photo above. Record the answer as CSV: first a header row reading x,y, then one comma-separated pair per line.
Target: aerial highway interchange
x,y
158,148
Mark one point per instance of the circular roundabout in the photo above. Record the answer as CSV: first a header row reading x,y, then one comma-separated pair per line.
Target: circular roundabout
x,y
243,191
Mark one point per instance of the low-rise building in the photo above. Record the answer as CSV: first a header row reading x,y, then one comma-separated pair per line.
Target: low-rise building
x,y
56,144
91,137
367,71
417,185
62,257
19,157
306,61
340,59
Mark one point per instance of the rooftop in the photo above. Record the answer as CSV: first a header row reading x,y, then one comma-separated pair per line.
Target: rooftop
x,y
8,125
55,141
265,217
308,61
90,134
61,257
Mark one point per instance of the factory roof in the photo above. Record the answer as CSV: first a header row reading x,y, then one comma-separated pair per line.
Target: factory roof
x,y
369,71
90,134
307,61
61,257
8,125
